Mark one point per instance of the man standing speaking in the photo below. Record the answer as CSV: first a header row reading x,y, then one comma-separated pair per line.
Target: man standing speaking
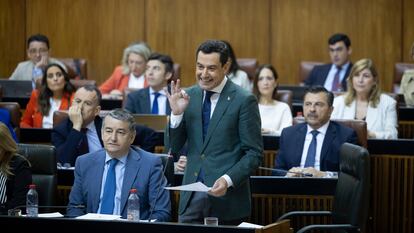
x,y
221,124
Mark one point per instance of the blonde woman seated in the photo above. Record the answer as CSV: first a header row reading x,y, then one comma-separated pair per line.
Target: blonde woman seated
x,y
275,115
364,101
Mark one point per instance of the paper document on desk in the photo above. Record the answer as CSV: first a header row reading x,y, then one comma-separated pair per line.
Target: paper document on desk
x,y
94,216
195,187
249,225
51,215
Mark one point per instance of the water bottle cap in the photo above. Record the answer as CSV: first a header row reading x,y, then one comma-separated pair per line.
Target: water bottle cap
x,y
32,186
133,191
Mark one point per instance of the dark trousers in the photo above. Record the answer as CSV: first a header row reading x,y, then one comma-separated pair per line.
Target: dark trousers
x,y
199,207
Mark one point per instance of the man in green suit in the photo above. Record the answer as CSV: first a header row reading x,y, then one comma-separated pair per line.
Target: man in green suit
x,y
220,122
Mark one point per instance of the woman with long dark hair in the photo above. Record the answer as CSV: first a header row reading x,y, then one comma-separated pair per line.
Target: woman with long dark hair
x,y
55,93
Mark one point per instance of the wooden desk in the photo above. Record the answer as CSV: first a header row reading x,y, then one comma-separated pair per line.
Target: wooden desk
x,y
52,225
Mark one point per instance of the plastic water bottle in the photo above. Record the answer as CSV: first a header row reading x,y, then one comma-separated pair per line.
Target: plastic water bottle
x,y
32,201
133,206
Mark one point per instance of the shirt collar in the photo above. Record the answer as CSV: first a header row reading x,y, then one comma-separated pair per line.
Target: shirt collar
x,y
220,87
321,130
121,159
162,91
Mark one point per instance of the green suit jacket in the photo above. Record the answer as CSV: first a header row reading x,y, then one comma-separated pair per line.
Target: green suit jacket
x,y
233,146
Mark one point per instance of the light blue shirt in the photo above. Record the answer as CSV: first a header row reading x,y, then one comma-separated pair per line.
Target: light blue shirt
x,y
93,140
119,177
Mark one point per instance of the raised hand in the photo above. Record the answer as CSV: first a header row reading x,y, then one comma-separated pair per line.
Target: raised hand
x,y
75,115
178,99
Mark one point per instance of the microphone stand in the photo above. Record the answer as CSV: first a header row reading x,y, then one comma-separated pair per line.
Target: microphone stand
x,y
285,171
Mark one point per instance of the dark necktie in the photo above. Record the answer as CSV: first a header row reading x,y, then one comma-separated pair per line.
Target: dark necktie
x,y
83,145
336,84
108,196
206,112
310,158
154,109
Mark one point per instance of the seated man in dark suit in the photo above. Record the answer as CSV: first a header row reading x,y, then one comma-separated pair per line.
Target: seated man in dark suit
x,y
153,99
333,76
104,178
316,142
81,132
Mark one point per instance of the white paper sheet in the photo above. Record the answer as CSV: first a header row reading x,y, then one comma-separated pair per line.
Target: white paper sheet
x,y
94,216
249,225
51,215
195,187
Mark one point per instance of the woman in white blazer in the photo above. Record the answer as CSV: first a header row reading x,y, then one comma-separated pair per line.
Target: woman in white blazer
x,y
364,101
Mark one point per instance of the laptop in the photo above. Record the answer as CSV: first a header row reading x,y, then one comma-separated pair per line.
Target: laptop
x,y
298,92
155,122
16,88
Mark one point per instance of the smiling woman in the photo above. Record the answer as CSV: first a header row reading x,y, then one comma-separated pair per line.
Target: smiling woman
x,y
55,93
365,101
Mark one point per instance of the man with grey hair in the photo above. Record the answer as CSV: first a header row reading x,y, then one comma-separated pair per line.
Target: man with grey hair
x,y
130,74
104,178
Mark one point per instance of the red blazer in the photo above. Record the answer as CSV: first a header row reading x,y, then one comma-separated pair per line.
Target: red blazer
x,y
33,118
118,80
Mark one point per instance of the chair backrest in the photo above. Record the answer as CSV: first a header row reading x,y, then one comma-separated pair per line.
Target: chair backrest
x,y
399,69
359,126
351,200
305,68
167,164
77,83
285,96
43,163
155,122
77,67
248,65
127,91
15,115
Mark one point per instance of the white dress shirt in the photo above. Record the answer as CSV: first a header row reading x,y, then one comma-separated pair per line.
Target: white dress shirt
x,y
47,121
162,101
319,142
331,75
119,179
136,82
93,140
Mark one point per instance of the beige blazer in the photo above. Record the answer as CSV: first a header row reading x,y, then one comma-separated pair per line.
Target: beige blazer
x,y
381,120
24,69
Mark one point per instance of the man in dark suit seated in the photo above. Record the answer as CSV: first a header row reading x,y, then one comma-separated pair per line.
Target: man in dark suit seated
x,y
316,142
153,99
333,76
104,178
81,132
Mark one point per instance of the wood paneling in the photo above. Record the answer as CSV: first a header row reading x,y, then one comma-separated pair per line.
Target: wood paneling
x,y
12,37
300,30
408,30
96,30
178,27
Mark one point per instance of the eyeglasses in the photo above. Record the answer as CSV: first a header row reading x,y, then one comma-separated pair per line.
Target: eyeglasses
x,y
40,51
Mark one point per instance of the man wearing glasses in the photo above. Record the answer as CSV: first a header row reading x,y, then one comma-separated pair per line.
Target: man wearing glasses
x,y
38,53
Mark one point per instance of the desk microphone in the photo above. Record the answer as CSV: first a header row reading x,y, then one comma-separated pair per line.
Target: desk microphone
x,y
301,174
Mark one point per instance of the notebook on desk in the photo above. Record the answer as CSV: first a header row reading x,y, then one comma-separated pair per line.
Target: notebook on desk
x,y
16,88
155,122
